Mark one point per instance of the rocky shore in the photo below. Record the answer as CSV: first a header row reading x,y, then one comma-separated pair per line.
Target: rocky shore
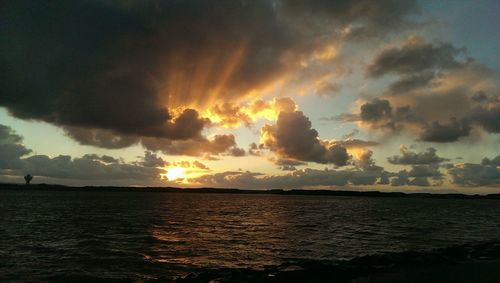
x,y
478,262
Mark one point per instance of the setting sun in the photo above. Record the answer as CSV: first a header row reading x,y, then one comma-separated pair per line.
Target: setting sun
x,y
250,141
175,173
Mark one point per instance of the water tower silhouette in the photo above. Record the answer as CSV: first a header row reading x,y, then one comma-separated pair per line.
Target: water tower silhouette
x,y
28,179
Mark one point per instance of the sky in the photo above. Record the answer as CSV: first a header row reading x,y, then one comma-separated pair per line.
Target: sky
x,y
382,95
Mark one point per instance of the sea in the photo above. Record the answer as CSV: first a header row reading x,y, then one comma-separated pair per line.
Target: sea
x,y
141,236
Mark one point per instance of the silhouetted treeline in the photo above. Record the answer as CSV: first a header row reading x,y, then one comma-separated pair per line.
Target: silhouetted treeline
x,y
48,187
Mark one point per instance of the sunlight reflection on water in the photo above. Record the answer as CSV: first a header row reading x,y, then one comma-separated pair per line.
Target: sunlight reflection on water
x,y
151,235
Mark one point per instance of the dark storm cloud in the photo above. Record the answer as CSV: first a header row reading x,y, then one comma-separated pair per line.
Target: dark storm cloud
x,y
11,149
121,66
407,157
487,173
97,64
376,110
368,18
415,56
61,65
488,116
445,132
379,113
185,126
410,83
480,97
100,138
8,136
293,137
219,144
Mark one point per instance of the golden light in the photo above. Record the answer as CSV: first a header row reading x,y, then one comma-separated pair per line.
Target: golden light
x,y
198,82
175,173
356,152
233,115
325,54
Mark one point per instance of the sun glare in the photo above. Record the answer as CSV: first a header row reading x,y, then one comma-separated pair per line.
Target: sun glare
x,y
175,173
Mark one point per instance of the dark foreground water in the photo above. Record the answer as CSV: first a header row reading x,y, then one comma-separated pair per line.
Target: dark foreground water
x,y
46,235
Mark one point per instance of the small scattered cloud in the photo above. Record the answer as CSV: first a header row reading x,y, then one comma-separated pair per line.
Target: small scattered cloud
x,y
151,159
487,173
415,56
408,157
445,132
102,158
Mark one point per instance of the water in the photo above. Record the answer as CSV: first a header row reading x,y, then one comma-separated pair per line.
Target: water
x,y
135,235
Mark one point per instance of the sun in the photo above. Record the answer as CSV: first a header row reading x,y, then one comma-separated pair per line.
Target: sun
x,y
175,173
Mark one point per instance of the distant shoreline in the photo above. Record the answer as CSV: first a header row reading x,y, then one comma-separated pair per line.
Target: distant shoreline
x,y
47,187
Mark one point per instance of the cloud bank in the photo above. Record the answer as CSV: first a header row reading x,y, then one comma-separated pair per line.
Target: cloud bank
x,y
112,72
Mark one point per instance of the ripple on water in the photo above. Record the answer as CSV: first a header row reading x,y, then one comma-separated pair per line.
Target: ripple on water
x,y
89,235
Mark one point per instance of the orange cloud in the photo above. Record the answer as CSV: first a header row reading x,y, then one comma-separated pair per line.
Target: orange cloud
x,y
232,115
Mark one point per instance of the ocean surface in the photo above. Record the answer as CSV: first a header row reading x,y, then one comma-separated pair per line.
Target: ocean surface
x,y
57,235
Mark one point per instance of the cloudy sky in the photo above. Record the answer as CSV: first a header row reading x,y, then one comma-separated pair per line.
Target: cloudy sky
x,y
353,94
